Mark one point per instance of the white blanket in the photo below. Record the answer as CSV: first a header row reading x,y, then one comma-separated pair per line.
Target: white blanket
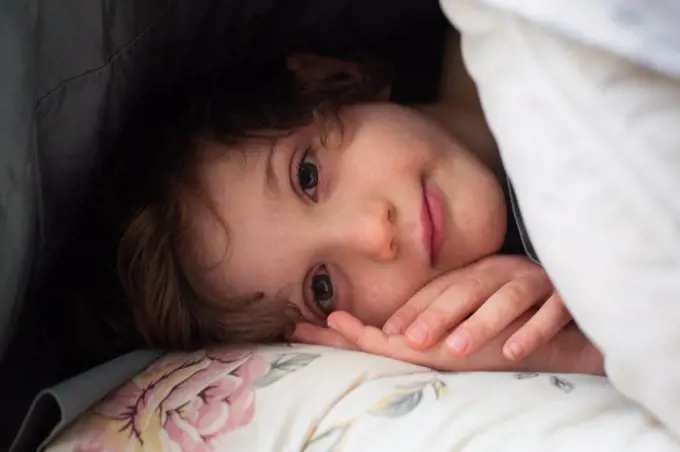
x,y
581,98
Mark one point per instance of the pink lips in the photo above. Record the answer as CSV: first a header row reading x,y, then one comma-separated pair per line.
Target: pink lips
x,y
433,222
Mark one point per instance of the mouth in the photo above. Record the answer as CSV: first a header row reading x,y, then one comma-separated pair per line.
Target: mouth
x,y
433,222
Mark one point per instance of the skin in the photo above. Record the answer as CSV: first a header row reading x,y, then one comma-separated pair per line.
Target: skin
x,y
360,226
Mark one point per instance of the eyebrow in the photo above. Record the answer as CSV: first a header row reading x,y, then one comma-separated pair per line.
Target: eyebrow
x,y
271,180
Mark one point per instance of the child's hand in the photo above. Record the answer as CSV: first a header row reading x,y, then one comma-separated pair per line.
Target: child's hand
x,y
347,332
493,292
567,352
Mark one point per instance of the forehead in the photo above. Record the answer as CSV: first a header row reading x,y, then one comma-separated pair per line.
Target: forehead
x,y
233,245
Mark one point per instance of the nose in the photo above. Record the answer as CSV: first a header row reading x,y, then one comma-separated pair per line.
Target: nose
x,y
371,231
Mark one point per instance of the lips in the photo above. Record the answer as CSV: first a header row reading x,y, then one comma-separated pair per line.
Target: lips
x,y
433,222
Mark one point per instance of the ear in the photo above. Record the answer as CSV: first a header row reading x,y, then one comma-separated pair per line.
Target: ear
x,y
313,69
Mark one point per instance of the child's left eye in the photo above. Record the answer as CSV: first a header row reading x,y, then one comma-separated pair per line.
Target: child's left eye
x,y
308,174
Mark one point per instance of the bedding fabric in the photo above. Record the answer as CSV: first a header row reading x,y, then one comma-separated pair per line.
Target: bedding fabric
x,y
584,100
251,400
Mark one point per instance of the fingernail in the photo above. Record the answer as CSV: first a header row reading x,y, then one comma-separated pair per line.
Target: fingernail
x,y
393,327
417,333
458,341
332,324
513,351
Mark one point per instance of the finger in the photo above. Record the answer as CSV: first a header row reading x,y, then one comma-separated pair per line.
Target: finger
x,y
451,307
569,351
366,338
370,339
552,317
496,269
374,341
308,333
407,314
499,311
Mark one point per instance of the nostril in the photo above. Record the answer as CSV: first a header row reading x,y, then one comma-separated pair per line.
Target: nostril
x,y
394,248
391,214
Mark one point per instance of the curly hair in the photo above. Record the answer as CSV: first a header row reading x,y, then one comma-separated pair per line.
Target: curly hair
x,y
159,306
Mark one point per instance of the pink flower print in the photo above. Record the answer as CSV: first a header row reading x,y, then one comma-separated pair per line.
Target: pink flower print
x,y
182,402
211,403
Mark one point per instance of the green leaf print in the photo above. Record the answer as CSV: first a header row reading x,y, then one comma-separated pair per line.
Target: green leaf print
x,y
283,365
413,386
440,389
330,440
561,384
397,403
525,375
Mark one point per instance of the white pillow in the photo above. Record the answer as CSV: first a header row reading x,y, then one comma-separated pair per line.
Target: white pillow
x,y
591,141
290,399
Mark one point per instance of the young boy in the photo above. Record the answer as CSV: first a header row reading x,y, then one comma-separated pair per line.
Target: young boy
x,y
309,195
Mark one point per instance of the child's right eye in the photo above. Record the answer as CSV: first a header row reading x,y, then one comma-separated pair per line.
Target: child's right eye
x,y
308,174
322,291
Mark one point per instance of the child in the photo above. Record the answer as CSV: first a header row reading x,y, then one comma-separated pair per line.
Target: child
x,y
313,195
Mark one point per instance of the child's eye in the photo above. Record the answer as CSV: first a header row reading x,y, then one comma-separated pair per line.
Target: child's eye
x,y
322,291
308,174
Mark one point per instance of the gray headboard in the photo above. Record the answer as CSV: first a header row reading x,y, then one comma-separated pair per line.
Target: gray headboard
x,y
19,192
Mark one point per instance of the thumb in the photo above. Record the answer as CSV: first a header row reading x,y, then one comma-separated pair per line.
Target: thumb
x,y
308,333
346,324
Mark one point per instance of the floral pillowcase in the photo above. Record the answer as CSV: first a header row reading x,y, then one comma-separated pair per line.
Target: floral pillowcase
x,y
315,399
197,401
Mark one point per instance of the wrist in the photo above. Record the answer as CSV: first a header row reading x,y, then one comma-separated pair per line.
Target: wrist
x,y
568,352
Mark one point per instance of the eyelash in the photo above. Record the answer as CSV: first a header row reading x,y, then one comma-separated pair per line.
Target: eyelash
x,y
318,304
309,153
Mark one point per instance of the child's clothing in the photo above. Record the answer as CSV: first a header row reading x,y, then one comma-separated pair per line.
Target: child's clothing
x,y
517,239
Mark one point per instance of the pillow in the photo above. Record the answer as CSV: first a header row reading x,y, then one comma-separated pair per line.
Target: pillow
x,y
294,398
590,138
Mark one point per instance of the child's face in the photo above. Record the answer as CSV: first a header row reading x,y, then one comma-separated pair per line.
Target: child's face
x,y
346,224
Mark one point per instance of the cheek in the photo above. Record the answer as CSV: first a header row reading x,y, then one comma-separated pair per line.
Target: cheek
x,y
382,163
479,217
475,208
490,210
380,153
379,293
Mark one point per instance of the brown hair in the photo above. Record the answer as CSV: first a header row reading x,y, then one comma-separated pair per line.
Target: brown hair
x,y
161,307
